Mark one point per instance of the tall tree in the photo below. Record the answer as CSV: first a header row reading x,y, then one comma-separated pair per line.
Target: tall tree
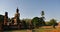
x,y
42,13
42,18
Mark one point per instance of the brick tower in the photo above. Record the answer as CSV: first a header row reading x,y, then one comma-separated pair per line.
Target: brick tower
x,y
16,18
5,18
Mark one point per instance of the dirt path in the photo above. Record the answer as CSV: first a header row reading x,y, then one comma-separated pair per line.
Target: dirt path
x,y
29,30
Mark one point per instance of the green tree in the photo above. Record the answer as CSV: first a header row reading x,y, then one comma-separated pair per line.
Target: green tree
x,y
1,18
28,23
53,22
35,21
48,23
42,13
41,21
1,23
24,24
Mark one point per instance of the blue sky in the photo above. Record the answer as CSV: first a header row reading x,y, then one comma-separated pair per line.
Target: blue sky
x,y
31,8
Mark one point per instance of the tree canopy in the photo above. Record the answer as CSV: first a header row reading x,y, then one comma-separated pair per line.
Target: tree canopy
x,y
35,21
42,13
53,22
1,18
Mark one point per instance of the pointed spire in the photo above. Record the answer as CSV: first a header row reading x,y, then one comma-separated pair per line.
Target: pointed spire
x,y
6,13
17,10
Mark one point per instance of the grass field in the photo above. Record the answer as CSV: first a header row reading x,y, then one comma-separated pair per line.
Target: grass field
x,y
41,29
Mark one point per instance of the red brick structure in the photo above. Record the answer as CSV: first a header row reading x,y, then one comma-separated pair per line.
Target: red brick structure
x,y
5,18
16,18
